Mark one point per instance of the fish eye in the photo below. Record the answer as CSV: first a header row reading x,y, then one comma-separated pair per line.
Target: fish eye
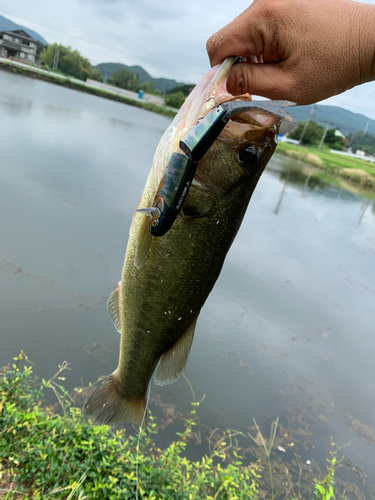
x,y
248,154
154,222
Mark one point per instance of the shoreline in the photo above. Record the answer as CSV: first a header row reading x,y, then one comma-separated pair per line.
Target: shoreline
x,y
355,172
55,450
358,173
74,84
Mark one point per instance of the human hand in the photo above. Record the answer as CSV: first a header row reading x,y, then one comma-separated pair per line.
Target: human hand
x,y
300,50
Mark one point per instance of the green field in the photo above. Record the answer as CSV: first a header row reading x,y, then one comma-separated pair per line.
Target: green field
x,y
353,169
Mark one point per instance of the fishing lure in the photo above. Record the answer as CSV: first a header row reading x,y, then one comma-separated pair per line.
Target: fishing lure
x,y
178,176
171,193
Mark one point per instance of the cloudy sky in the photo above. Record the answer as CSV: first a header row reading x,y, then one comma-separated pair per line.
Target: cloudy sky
x,y
165,37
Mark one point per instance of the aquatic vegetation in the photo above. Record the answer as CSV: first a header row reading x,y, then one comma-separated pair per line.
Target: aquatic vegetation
x,y
267,446
324,489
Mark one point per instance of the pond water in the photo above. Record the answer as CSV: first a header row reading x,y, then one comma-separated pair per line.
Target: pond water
x,y
288,330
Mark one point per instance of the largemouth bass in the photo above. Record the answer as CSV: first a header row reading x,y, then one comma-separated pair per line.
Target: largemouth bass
x,y
166,280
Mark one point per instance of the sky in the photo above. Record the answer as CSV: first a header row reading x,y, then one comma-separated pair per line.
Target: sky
x,y
166,37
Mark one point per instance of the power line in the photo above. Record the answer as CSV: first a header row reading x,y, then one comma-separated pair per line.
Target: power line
x,y
102,46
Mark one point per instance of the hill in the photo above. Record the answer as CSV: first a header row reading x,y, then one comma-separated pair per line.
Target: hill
x,y
160,84
8,25
345,120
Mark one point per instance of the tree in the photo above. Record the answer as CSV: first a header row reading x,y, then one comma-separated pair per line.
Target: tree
x,y
70,62
147,87
175,100
96,74
364,142
312,135
185,89
125,79
334,141
40,46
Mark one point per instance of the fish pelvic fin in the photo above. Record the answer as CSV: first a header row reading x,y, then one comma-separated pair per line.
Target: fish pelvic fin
x,y
172,363
108,405
113,306
144,243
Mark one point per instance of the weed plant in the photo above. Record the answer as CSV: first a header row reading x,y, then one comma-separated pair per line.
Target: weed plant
x,y
44,455
54,456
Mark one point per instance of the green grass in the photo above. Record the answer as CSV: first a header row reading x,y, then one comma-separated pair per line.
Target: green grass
x,y
353,169
48,455
52,456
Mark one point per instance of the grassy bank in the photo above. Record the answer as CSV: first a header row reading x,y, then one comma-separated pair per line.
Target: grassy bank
x,y
60,455
352,169
82,87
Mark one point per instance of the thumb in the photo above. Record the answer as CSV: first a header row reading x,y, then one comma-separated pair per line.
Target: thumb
x,y
263,79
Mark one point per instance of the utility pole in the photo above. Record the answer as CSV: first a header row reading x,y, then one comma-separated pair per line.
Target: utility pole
x,y
56,59
323,136
307,123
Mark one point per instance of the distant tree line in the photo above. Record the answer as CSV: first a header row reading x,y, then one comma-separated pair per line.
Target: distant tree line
x,y
68,61
176,96
126,79
71,63
314,133
364,142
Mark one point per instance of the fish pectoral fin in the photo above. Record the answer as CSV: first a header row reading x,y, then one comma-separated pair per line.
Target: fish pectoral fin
x,y
108,405
144,243
113,306
172,363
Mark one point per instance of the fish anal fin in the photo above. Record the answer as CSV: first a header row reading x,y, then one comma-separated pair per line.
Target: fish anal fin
x,y
108,405
113,306
172,363
144,242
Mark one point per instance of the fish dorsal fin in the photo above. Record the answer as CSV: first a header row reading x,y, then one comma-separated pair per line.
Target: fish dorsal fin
x,y
113,306
172,363
144,242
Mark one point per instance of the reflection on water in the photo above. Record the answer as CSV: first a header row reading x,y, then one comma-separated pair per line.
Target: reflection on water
x,y
288,329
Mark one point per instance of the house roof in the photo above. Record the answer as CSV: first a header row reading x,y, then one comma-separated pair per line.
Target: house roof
x,y
21,34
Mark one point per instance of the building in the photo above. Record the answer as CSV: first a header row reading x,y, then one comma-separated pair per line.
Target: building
x,y
19,45
338,133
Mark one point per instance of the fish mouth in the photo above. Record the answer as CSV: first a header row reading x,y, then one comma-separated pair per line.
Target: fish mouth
x,y
212,91
208,93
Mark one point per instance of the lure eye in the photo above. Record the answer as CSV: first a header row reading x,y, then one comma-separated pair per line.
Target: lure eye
x,y
248,154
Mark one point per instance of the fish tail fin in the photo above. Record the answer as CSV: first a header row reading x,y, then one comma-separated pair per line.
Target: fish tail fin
x,y
108,405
